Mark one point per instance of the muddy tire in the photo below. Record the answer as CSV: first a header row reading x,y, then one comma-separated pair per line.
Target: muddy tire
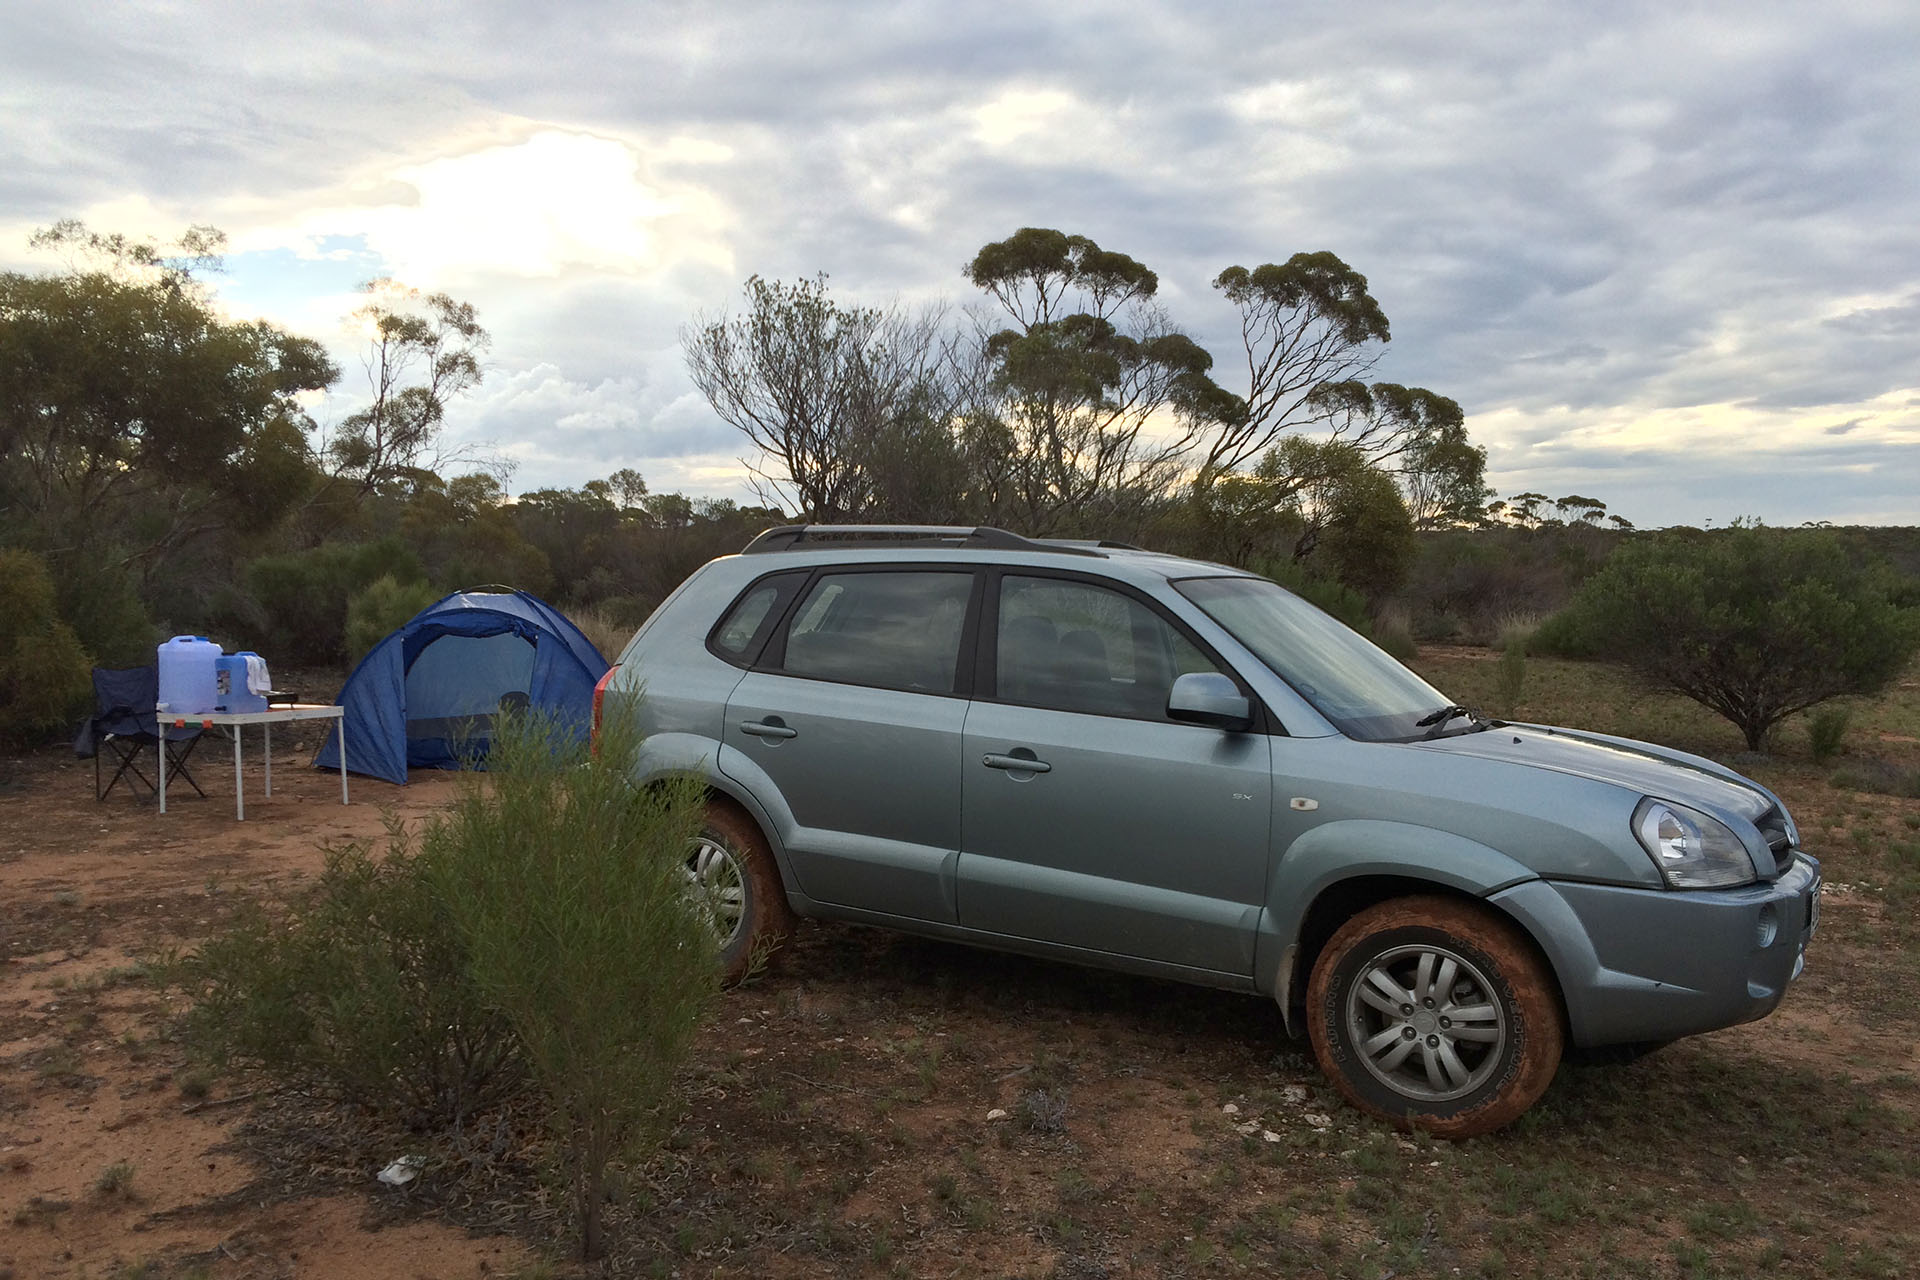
x,y
1434,1013
732,872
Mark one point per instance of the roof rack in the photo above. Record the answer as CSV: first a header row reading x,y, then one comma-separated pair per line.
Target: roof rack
x,y
793,536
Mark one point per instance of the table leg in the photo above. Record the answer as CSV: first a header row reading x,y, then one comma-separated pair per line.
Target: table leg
x,y
161,725
239,790
266,745
342,722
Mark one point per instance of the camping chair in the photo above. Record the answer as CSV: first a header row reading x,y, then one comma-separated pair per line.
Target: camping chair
x,y
125,724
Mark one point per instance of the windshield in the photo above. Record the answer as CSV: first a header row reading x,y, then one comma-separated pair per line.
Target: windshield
x,y
1363,691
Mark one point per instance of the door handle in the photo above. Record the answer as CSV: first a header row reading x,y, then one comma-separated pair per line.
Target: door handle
x,y
1017,764
768,729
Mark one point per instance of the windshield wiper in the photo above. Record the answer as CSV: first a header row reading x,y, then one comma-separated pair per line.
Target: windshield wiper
x,y
1436,723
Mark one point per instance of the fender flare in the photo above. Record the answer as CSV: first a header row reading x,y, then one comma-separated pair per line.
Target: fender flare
x,y
1352,849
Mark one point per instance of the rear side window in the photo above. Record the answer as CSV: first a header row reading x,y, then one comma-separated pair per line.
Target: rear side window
x,y
894,630
742,632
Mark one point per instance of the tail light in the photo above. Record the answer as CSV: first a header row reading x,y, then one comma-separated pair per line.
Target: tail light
x,y
599,696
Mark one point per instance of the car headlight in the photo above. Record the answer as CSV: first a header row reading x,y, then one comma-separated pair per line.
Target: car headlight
x,y
1692,850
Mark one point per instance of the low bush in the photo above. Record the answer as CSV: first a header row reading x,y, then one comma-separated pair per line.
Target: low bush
x,y
383,607
304,594
1568,634
45,676
572,895
1827,731
537,934
1881,776
101,602
1343,602
359,990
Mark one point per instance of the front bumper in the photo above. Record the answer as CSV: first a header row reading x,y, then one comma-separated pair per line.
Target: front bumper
x,y
1656,964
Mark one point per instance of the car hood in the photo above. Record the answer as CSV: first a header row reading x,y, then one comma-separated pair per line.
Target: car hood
x,y
1637,766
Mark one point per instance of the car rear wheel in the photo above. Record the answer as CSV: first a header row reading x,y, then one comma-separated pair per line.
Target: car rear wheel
x,y
1435,1013
731,873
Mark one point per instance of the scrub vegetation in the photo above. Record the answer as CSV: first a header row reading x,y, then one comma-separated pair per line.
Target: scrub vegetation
x,y
532,947
833,1116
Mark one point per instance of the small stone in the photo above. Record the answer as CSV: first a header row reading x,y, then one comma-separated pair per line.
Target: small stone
x,y
1294,1093
1248,1129
1318,1120
998,1113
1231,1109
1269,1135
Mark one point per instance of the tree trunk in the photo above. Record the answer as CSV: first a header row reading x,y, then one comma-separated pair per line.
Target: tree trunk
x,y
593,1244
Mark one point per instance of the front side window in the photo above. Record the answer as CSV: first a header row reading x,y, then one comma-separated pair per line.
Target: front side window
x,y
894,630
1074,646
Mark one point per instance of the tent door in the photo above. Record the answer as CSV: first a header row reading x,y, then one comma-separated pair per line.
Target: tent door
x,y
455,687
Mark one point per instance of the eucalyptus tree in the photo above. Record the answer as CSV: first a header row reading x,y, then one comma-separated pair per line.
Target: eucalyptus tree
x,y
134,419
423,351
840,402
1089,402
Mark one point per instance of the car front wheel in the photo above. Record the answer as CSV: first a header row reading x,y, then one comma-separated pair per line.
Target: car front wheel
x,y
1435,1013
731,873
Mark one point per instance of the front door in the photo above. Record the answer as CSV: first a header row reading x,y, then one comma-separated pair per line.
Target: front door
x,y
1090,819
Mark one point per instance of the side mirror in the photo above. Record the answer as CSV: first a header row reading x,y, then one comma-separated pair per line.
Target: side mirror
x,y
1209,698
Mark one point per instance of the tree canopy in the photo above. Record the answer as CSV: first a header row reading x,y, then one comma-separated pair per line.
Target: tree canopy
x,y
1755,623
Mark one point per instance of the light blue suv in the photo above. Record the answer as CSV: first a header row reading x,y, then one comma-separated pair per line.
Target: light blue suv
x,y
1099,754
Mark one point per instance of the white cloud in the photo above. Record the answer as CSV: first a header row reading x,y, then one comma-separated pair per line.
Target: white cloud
x,y
553,202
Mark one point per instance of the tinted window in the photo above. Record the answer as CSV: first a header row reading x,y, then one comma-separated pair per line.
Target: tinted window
x,y
736,633
1360,688
1074,646
896,630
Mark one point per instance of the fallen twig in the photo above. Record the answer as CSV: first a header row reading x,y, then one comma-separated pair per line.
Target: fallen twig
x,y
205,1104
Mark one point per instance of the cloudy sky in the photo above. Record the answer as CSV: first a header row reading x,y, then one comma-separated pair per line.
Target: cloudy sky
x,y
1664,254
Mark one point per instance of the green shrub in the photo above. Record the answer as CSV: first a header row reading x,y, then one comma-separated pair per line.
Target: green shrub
x,y
359,990
1756,624
383,607
1435,626
99,600
572,895
539,933
304,594
1568,634
1826,730
46,678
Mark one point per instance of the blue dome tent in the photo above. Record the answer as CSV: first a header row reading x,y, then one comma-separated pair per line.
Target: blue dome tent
x,y
426,696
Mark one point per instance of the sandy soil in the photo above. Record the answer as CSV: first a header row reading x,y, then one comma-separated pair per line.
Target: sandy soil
x,y
107,1162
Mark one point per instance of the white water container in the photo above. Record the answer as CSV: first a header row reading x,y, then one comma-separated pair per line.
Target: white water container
x,y
188,675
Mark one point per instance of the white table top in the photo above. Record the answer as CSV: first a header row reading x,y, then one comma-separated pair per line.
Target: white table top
x,y
272,715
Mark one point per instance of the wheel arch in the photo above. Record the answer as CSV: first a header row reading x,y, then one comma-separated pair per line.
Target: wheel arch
x,y
667,756
1341,900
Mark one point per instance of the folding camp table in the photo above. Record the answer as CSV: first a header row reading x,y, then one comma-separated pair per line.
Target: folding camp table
x,y
237,721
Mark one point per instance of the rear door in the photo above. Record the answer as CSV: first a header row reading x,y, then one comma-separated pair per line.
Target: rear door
x,y
1090,819
849,729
